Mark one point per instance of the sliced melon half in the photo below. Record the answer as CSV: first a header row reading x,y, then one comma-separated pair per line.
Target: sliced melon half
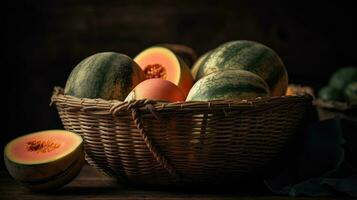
x,y
45,160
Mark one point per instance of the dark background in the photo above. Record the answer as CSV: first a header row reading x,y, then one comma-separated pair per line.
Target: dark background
x,y
44,40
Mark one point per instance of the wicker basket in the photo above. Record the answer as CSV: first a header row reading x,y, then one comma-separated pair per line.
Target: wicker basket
x,y
151,142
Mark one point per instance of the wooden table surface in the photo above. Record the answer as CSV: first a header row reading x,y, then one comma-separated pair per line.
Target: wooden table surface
x,y
91,185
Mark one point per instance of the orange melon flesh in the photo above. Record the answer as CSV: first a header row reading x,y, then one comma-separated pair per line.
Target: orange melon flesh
x,y
42,147
160,62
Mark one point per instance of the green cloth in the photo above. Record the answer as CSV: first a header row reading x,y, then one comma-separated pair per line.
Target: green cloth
x,y
324,164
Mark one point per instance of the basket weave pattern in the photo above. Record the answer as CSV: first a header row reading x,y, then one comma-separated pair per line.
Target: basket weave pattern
x,y
155,142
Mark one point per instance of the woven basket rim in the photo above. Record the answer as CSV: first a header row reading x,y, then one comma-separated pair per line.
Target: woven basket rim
x,y
88,103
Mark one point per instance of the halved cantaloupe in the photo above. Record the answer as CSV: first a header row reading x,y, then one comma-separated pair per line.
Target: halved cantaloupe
x,y
156,89
45,160
161,62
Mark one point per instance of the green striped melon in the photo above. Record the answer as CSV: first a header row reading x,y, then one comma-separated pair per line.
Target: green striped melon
x,y
106,75
251,56
228,85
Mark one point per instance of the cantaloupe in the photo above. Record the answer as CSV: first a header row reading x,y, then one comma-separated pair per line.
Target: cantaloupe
x,y
45,160
161,62
156,89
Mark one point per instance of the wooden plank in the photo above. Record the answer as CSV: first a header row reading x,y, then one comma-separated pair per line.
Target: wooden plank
x,y
90,185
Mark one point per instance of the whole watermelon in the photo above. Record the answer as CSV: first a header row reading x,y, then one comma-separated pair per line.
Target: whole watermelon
x,y
250,56
106,75
228,85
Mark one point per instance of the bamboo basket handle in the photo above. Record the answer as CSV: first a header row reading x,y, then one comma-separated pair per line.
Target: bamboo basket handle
x,y
135,113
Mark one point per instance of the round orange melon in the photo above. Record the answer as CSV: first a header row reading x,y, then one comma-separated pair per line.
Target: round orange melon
x,y
161,62
156,89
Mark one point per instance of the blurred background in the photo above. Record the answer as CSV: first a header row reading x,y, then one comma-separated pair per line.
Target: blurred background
x,y
44,40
